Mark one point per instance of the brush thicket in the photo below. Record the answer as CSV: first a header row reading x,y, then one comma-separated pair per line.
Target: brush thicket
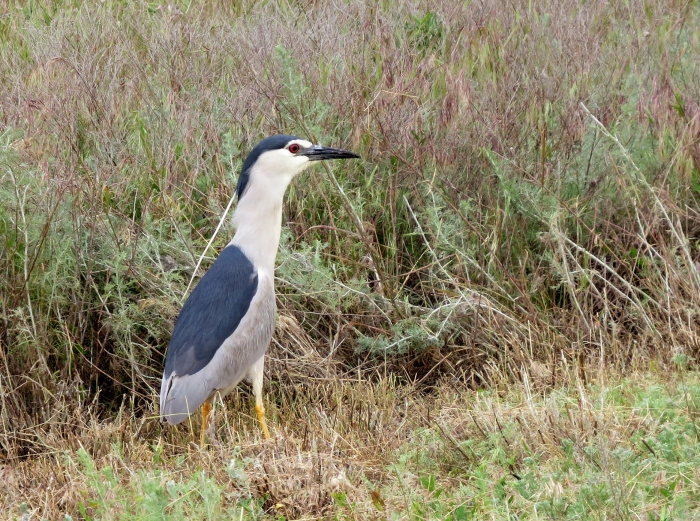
x,y
526,205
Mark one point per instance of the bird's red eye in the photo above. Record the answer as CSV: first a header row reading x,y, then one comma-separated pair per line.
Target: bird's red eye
x,y
294,148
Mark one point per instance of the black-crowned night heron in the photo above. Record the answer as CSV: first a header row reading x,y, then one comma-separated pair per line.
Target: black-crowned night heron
x,y
227,322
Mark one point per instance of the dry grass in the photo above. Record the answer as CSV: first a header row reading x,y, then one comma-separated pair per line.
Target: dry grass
x,y
358,448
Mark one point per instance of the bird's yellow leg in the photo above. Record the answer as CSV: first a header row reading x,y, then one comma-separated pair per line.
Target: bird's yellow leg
x,y
256,375
206,409
260,411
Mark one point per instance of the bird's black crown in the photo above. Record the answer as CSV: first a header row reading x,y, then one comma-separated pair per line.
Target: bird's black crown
x,y
271,143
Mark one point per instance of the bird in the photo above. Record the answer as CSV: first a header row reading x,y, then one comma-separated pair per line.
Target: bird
x,y
226,324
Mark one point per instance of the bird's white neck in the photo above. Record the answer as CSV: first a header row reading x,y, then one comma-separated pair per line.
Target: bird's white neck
x,y
258,234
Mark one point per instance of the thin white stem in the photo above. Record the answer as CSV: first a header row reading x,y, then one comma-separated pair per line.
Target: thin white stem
x,y
199,262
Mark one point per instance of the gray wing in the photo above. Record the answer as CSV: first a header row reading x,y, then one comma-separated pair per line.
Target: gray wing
x,y
211,314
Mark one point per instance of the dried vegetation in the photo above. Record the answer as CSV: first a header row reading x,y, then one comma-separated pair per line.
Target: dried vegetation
x,y
526,214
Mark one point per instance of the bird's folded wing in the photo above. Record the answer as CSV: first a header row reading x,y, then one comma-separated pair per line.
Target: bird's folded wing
x,y
212,312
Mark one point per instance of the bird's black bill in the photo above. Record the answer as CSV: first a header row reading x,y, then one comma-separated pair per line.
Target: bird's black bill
x,y
318,153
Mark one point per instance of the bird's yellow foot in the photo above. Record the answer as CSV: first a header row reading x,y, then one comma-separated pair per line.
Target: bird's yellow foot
x,y
260,411
206,409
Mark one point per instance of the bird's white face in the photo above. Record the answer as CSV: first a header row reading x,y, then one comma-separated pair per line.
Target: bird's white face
x,y
283,158
284,163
